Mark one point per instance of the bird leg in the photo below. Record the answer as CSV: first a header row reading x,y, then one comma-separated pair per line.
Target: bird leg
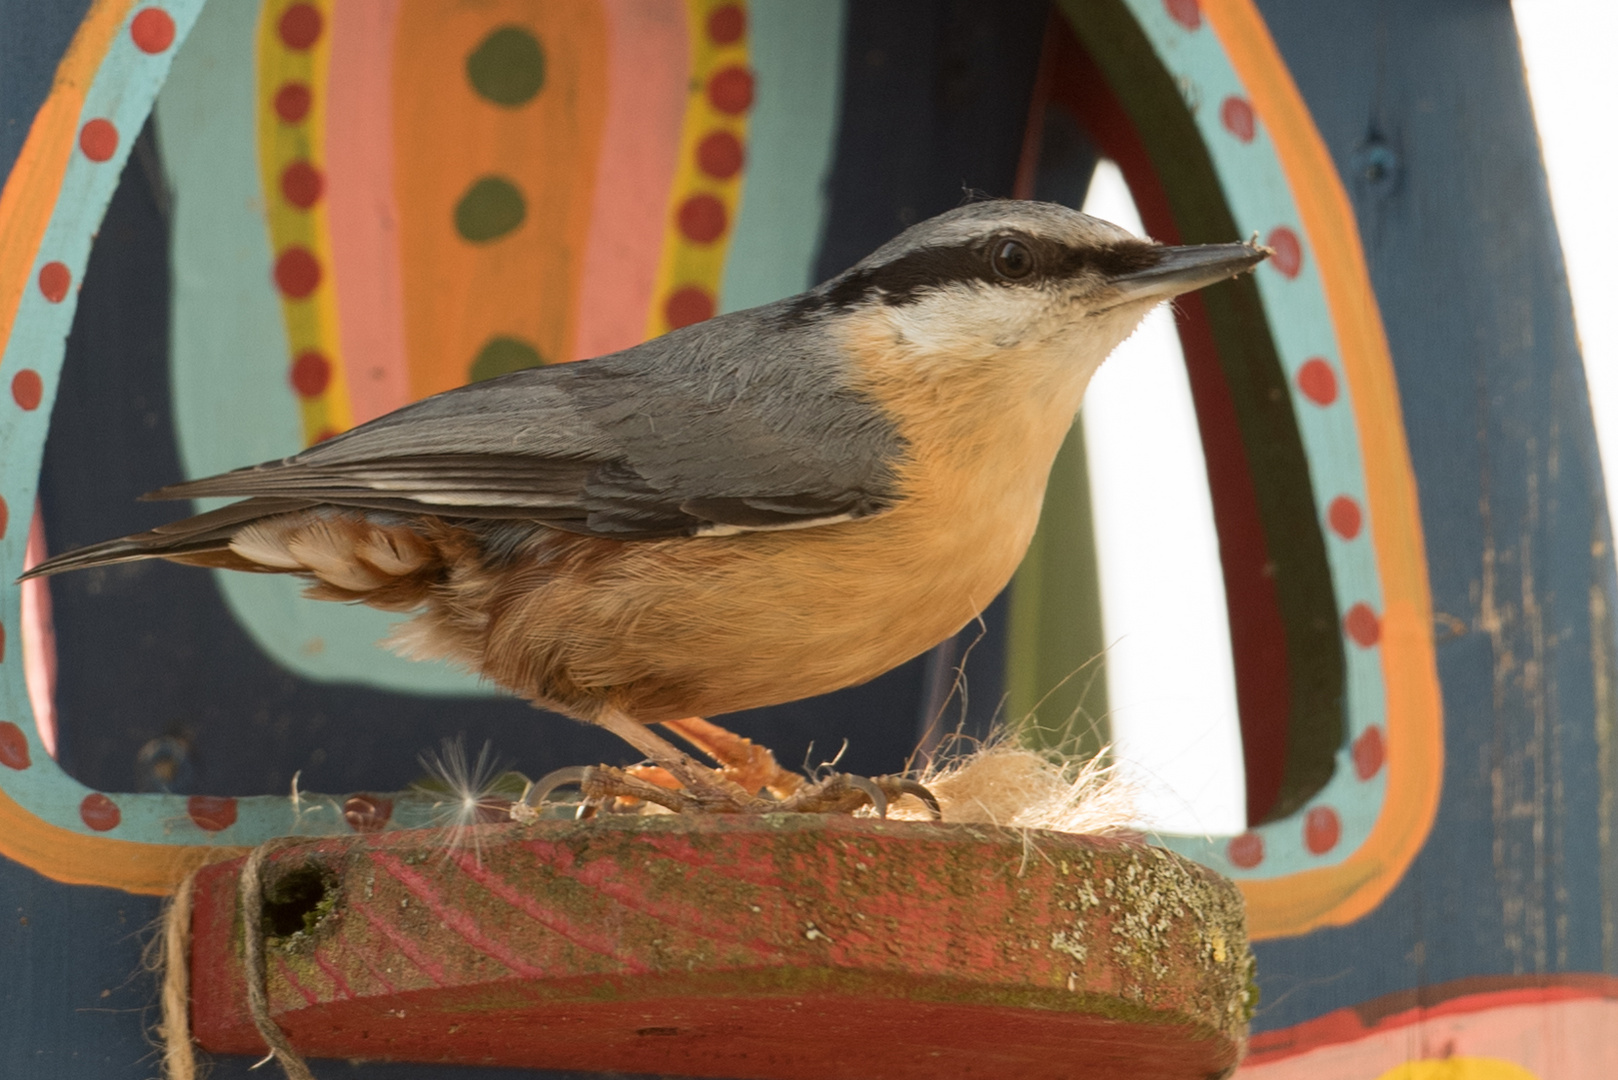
x,y
712,790
741,759
677,782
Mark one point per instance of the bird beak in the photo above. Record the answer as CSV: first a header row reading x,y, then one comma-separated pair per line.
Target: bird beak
x,y
1185,269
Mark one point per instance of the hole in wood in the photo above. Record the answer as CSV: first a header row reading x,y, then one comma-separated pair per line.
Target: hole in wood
x,y
296,900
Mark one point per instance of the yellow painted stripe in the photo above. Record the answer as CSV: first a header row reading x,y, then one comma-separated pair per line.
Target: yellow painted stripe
x,y
686,263
311,322
1298,903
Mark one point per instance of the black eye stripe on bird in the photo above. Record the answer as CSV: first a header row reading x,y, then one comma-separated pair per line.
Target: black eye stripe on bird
x,y
772,504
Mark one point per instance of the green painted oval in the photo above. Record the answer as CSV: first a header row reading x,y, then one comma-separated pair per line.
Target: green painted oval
x,y
490,209
507,67
502,356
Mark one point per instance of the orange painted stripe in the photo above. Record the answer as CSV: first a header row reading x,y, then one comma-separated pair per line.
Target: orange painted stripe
x,y
1298,903
459,294
77,859
30,193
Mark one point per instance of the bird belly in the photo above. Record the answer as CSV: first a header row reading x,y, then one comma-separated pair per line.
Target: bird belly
x,y
664,629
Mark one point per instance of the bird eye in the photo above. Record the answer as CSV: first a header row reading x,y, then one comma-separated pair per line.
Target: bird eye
x,y
1012,260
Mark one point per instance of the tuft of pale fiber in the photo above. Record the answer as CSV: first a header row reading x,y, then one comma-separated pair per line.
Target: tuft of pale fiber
x,y
997,782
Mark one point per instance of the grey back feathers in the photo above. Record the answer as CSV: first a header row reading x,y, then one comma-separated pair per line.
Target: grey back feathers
x,y
748,421
724,425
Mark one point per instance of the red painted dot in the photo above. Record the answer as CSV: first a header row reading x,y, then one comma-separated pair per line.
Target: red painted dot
x,y
1317,381
702,219
152,30
720,155
367,813
98,139
299,26
297,273
212,812
302,184
292,102
1288,252
1321,829
323,434
1363,626
311,374
99,812
1237,116
5,516
731,91
1246,850
691,304
1370,751
54,281
727,25
1344,516
27,389
1188,13
13,746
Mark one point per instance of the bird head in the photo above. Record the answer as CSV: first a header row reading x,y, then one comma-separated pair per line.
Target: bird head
x,y
1031,291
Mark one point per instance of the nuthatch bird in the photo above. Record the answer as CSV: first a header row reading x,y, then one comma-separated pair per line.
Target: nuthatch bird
x,y
772,504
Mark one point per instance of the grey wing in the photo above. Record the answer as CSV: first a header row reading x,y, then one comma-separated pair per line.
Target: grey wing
x,y
708,430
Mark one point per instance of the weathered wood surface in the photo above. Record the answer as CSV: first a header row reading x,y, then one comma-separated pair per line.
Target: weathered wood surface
x,y
776,947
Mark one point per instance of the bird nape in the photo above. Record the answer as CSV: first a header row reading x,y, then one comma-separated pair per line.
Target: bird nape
x,y
769,505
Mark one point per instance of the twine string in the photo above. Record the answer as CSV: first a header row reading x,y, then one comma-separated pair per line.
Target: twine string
x,y
251,898
179,1056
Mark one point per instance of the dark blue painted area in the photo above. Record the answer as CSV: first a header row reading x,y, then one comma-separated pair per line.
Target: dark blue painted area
x,y
75,1000
34,37
1423,107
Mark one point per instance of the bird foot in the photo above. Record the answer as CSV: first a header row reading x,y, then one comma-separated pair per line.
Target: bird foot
x,y
748,780
606,787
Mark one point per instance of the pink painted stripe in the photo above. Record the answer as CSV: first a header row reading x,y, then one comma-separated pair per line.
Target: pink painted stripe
x,y
649,64
335,976
457,920
607,877
549,917
401,941
361,212
349,955
39,638
292,980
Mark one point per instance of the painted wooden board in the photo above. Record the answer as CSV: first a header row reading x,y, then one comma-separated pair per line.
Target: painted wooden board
x,y
782,948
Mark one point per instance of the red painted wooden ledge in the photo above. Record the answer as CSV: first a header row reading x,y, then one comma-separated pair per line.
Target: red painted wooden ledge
x,y
778,947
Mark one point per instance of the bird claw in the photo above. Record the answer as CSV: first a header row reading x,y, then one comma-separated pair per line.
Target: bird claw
x,y
839,793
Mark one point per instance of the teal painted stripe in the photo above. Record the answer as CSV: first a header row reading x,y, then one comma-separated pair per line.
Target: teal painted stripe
x,y
1256,189
796,50
233,405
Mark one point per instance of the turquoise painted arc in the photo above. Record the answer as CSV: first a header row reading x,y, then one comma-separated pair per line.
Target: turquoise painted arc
x,y
121,95
1256,189
797,55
